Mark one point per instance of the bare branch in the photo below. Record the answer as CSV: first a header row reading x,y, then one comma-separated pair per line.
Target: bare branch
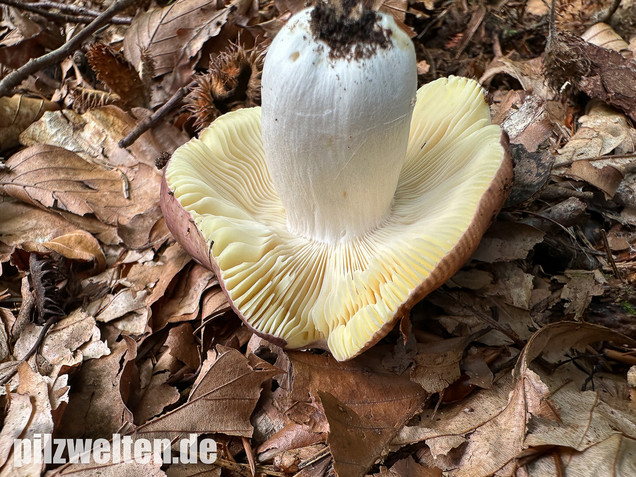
x,y
150,121
79,15
16,77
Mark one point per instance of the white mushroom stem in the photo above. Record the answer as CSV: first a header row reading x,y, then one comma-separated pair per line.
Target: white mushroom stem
x,y
337,97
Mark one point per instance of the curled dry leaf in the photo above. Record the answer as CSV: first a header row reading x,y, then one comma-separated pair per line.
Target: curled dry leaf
x,y
375,401
57,179
73,339
602,131
78,245
603,35
97,395
182,302
20,223
551,341
437,363
16,114
172,37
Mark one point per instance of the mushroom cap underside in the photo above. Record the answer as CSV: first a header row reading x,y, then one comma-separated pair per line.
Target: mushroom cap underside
x,y
220,204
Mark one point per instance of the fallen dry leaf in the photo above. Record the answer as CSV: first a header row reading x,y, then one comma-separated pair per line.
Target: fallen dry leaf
x,y
380,402
95,134
33,415
155,394
128,468
97,395
507,241
408,468
57,179
16,114
70,341
172,37
27,39
436,364
20,223
603,35
221,401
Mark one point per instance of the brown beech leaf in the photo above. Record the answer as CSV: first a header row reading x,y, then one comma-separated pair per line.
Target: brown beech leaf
x,y
182,303
554,339
155,396
408,468
95,134
16,420
20,222
97,395
57,179
381,401
32,418
16,114
507,241
129,469
73,339
143,284
490,430
172,36
26,39
78,245
611,456
222,399
437,363
181,345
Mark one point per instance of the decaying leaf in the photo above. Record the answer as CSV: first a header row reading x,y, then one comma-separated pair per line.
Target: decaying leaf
x,y
603,131
20,223
97,395
378,401
57,179
221,401
436,364
16,114
95,134
172,36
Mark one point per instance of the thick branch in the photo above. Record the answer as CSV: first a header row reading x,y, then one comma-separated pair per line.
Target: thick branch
x,y
16,77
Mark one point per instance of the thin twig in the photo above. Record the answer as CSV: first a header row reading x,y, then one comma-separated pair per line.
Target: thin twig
x,y
552,31
43,331
16,77
610,13
79,11
153,119
569,162
78,16
610,256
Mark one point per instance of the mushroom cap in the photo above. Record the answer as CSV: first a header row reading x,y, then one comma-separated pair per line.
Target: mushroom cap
x,y
221,205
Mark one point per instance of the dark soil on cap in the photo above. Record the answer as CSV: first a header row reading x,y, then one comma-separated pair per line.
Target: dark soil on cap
x,y
350,32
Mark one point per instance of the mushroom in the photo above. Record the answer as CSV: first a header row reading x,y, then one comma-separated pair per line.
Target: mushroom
x,y
348,196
